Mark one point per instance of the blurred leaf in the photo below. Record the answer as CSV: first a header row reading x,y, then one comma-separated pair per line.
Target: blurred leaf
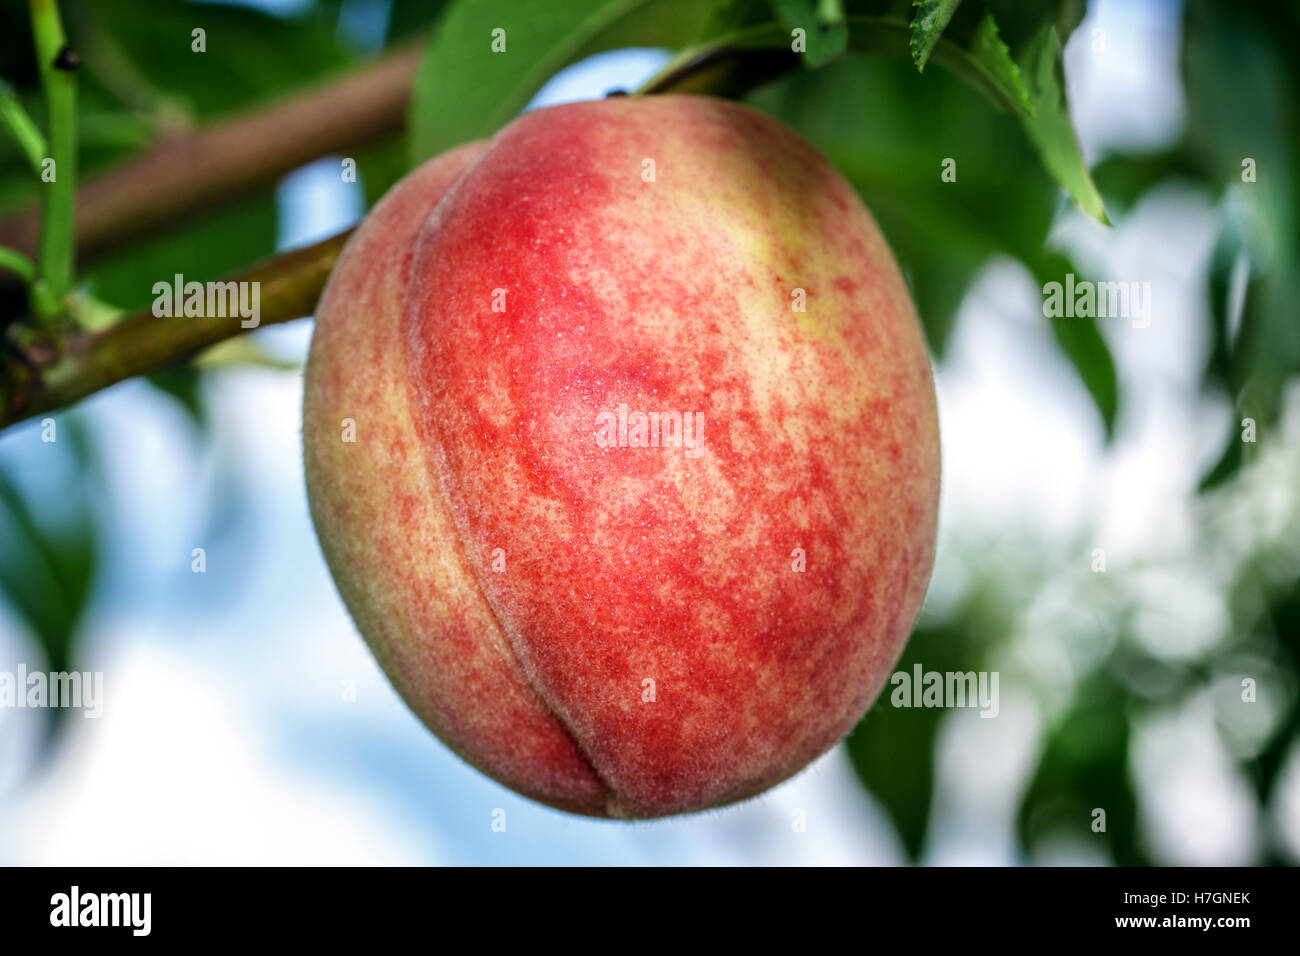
x,y
1265,769
244,351
139,73
47,566
731,16
1229,461
1020,23
380,166
106,135
1228,364
1241,77
1122,178
1082,342
250,56
465,91
1083,345
928,25
219,243
893,748
825,33
184,384
1083,768
409,17
1050,129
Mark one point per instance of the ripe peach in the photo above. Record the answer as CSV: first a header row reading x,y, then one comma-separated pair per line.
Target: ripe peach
x,y
641,504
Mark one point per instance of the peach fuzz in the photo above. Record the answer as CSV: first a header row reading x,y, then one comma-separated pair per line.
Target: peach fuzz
x,y
612,625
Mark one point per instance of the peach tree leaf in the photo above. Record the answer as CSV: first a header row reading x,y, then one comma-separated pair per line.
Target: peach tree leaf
x,y
1083,770
1049,128
1083,345
51,542
979,63
928,24
892,749
1254,280
488,58
142,50
988,50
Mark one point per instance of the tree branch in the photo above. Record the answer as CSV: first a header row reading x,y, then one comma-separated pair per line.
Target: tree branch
x,y
44,372
196,171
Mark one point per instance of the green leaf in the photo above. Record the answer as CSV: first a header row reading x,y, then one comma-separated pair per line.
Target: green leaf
x,y
731,16
215,246
409,17
988,50
1267,766
1123,178
220,243
143,51
986,66
928,24
1084,768
184,383
1230,364
1241,78
380,166
825,32
464,91
1049,128
981,68
892,748
1083,345
47,564
1082,342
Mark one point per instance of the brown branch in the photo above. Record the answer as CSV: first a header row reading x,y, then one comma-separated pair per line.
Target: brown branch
x,y
196,171
44,372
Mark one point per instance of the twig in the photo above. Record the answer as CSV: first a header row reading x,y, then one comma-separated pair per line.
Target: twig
x,y
29,137
13,261
43,373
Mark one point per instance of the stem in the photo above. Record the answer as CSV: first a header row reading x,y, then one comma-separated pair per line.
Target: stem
x,y
729,66
58,77
29,136
16,262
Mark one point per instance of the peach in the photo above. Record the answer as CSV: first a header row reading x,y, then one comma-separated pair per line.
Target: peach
x,y
641,502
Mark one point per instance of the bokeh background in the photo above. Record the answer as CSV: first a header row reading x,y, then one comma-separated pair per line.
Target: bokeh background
x,y
245,722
